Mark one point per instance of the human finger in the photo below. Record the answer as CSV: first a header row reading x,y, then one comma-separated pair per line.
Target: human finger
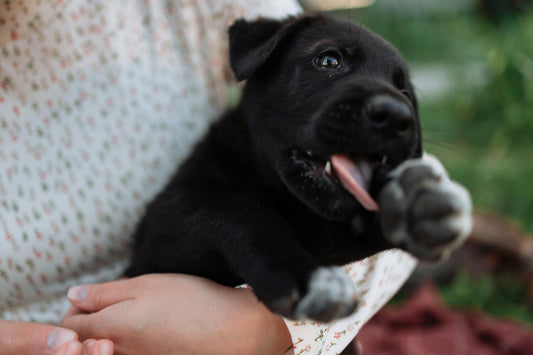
x,y
32,338
98,347
104,324
70,348
95,297
86,325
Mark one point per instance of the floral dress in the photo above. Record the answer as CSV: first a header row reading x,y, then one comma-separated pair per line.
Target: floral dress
x,y
99,102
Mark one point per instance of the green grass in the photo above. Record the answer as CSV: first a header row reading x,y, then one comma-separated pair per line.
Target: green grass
x,y
500,296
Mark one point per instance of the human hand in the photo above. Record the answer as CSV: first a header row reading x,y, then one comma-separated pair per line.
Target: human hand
x,y
175,314
28,338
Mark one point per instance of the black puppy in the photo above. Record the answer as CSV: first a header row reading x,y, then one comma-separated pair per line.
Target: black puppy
x,y
282,187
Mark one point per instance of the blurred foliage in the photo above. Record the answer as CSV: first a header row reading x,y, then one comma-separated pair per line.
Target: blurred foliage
x,y
482,127
499,296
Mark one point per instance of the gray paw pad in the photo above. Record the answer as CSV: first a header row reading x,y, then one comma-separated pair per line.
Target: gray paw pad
x,y
331,295
423,211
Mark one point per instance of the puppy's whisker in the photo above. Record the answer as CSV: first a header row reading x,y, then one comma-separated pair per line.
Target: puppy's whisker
x,y
422,95
442,145
439,130
414,68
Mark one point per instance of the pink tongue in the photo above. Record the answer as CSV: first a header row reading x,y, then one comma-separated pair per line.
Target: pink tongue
x,y
354,180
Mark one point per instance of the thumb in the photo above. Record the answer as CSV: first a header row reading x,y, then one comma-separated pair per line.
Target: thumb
x,y
32,338
95,297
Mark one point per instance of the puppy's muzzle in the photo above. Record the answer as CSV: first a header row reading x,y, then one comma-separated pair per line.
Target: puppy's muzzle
x,y
389,115
367,116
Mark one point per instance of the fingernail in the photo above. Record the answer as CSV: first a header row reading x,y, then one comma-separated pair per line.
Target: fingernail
x,y
90,344
78,293
106,349
58,337
88,347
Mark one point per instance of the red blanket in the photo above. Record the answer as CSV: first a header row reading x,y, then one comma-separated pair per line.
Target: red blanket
x,y
423,325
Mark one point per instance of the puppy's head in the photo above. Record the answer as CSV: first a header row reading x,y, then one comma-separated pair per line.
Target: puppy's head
x,y
330,108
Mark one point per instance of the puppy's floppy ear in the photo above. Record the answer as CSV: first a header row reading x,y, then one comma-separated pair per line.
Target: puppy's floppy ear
x,y
251,43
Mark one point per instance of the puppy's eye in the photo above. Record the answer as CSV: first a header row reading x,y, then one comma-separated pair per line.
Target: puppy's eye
x,y
329,60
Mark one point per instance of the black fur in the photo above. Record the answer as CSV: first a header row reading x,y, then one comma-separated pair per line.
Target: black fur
x,y
250,204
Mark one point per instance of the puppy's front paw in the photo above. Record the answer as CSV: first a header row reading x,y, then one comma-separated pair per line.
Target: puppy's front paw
x,y
330,295
423,211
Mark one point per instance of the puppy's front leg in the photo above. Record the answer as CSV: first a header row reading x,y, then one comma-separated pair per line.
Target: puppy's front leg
x,y
264,251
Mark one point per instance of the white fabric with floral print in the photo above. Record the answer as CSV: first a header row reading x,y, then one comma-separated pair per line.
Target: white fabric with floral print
x,y
99,102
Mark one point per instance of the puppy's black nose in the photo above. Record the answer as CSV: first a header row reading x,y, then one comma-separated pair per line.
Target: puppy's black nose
x,y
390,114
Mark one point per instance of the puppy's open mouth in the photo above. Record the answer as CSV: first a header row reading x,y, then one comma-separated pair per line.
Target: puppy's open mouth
x,y
355,175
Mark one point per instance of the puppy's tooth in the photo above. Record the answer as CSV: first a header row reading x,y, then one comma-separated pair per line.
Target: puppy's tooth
x,y
309,153
384,160
327,168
